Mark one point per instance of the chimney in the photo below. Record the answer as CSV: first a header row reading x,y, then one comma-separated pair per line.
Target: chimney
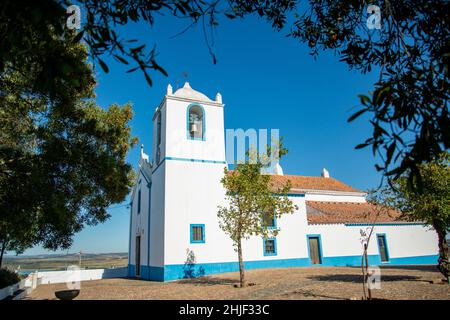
x,y
325,173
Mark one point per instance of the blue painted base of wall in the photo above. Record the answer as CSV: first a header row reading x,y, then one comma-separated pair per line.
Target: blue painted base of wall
x,y
185,271
147,273
430,260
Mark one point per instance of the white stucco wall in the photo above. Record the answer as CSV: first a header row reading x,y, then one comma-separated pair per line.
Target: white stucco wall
x,y
195,192
157,221
402,240
139,222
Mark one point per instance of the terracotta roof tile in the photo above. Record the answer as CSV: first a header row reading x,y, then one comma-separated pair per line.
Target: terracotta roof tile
x,y
346,212
316,183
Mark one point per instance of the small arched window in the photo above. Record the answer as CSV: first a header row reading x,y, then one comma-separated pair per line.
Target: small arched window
x,y
196,123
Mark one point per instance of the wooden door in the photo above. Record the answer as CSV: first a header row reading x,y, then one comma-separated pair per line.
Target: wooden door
x,y
314,250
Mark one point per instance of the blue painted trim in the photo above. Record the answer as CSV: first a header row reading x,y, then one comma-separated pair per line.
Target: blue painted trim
x,y
385,245
147,272
418,260
183,271
296,195
149,220
274,246
308,236
194,160
131,270
142,172
187,160
157,167
385,224
348,261
192,235
203,121
156,273
178,271
290,195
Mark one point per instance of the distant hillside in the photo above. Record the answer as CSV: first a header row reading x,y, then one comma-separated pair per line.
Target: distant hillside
x,y
62,261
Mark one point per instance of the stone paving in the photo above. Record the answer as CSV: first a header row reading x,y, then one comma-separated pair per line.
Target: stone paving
x,y
411,282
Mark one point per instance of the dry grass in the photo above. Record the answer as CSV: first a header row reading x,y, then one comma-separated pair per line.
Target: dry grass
x,y
287,283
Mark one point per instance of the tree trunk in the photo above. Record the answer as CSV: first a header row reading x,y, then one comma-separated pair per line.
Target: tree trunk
x,y
241,265
443,262
369,291
2,252
363,269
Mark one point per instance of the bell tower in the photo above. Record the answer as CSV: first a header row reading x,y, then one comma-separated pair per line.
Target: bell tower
x,y
188,164
190,126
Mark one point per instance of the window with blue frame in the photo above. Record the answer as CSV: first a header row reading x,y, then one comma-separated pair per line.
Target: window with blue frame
x,y
139,202
158,138
158,129
196,123
270,247
269,220
197,233
382,247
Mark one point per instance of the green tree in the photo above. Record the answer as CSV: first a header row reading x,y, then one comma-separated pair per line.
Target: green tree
x,y
62,157
430,205
22,22
408,107
252,200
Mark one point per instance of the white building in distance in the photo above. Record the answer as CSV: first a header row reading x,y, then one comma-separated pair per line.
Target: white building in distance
x,y
174,229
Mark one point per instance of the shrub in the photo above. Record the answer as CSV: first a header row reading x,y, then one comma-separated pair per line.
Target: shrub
x,y
8,277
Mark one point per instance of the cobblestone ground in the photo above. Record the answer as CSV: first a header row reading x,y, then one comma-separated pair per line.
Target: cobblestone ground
x,y
412,282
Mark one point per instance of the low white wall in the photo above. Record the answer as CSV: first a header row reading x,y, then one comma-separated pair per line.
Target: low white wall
x,y
9,291
48,277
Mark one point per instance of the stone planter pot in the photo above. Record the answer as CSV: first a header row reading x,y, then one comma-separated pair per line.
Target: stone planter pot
x,y
67,294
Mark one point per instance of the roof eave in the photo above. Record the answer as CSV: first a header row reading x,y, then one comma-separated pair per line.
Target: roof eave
x,y
330,192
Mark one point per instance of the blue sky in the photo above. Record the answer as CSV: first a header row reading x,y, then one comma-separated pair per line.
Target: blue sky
x,y
266,81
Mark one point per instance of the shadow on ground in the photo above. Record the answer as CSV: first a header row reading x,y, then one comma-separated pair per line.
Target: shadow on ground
x,y
311,294
412,267
209,281
359,278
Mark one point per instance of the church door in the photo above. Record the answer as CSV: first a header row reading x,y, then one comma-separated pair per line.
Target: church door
x,y
138,256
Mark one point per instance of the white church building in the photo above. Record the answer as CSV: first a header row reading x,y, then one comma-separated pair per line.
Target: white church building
x,y
174,229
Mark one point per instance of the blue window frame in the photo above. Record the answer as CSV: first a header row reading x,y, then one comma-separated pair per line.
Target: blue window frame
x,y
383,247
315,257
139,202
197,232
270,246
195,122
158,129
